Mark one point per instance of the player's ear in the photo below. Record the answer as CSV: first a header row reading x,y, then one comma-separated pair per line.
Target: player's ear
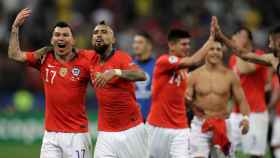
x,y
150,47
171,45
52,41
73,41
113,40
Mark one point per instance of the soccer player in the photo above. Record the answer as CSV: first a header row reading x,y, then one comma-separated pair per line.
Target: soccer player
x,y
253,78
142,45
121,132
209,89
167,122
272,60
275,104
65,74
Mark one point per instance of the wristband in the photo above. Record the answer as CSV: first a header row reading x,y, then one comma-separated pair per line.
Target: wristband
x,y
118,72
245,117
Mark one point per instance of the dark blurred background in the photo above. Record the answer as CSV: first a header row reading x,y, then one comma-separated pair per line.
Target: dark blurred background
x,y
21,97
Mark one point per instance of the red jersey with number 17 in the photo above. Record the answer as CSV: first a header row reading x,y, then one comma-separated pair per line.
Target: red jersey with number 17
x,y
168,109
117,106
65,90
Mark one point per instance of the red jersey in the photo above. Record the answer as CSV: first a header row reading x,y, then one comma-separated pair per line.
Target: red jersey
x,y
118,109
168,109
253,85
275,85
65,90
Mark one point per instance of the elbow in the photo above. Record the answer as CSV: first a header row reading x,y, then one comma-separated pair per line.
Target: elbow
x,y
11,55
15,56
143,76
247,72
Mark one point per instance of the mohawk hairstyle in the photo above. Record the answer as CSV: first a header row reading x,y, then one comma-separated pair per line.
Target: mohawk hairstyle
x,y
102,22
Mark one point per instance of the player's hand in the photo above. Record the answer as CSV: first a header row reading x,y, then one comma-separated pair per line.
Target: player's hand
x,y
102,78
244,125
212,29
21,17
183,74
215,28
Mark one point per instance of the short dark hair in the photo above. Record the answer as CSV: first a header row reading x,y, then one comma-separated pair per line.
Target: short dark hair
x,y
249,32
176,34
219,41
145,35
63,24
275,30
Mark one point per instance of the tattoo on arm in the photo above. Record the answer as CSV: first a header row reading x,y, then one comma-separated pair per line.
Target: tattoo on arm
x,y
14,51
251,57
244,53
133,75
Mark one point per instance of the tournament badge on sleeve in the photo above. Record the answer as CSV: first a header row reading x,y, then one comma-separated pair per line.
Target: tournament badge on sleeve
x,y
63,71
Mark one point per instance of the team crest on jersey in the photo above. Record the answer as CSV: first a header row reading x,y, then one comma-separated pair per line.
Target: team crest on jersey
x,y
63,71
172,59
76,72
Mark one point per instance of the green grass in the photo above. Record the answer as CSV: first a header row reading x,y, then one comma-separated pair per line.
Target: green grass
x,y
13,150
19,150
241,155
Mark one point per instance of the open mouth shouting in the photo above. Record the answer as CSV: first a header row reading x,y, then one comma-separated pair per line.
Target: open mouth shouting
x,y
61,45
99,42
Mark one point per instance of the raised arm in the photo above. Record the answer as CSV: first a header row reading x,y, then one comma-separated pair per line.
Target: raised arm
x,y
14,51
242,52
201,53
246,55
245,67
197,56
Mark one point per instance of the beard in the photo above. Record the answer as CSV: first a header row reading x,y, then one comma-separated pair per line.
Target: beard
x,y
100,49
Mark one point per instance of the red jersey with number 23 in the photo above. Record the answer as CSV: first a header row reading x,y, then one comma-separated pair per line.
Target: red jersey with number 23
x,y
168,109
65,90
117,106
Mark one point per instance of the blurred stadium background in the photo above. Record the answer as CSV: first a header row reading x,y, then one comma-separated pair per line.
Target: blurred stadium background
x,y
21,98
